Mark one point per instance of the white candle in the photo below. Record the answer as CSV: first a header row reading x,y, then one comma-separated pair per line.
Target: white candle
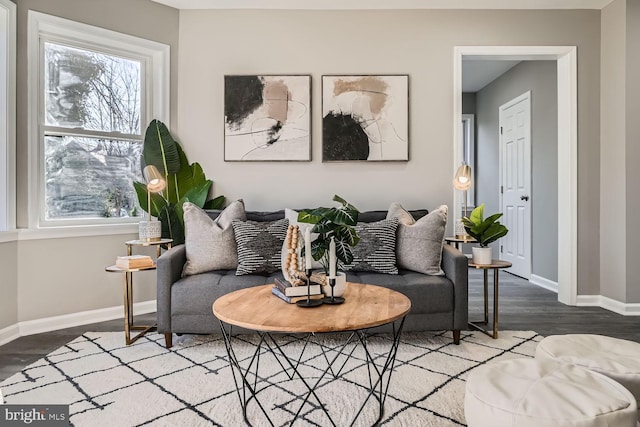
x,y
332,259
307,248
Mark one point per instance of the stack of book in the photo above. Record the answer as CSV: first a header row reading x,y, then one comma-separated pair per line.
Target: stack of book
x,y
134,261
291,294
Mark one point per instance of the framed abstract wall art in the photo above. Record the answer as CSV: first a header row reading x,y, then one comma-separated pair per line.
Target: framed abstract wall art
x,y
267,118
365,118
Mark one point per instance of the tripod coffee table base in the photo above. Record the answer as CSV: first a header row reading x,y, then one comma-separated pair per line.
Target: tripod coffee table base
x,y
249,384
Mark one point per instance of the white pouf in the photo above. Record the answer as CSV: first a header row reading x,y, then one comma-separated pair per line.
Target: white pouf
x,y
618,359
535,393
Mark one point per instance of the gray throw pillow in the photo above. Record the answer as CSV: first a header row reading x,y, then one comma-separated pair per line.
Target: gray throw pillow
x,y
259,245
419,244
209,244
376,250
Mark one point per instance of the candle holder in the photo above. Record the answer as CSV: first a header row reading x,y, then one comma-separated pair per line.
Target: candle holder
x,y
332,299
309,302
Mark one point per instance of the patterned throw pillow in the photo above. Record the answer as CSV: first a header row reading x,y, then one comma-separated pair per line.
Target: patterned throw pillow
x,y
420,242
259,245
376,251
209,243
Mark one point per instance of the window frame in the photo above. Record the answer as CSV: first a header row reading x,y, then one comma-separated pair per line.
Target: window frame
x,y
155,101
8,16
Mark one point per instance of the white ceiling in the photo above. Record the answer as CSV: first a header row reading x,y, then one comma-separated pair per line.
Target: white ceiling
x,y
476,74
385,4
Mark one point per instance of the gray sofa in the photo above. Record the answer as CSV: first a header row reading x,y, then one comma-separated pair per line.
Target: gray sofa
x,y
185,303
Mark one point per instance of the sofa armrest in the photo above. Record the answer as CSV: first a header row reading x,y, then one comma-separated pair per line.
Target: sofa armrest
x,y
169,270
456,268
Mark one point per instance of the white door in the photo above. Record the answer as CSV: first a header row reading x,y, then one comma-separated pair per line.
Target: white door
x,y
515,173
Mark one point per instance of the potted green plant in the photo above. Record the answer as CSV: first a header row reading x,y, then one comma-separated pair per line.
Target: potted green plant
x,y
185,182
335,223
484,231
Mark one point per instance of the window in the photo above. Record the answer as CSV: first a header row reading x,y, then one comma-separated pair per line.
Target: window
x,y
7,114
97,90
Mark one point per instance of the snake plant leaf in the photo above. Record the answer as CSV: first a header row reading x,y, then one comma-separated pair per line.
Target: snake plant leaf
x,y
159,149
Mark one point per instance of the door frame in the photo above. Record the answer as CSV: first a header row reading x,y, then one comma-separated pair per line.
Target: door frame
x,y
508,104
566,59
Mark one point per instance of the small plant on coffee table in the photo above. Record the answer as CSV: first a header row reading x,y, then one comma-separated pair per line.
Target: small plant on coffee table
x,y
336,222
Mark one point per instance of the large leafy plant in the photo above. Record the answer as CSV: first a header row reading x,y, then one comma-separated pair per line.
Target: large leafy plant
x,y
336,222
185,182
485,231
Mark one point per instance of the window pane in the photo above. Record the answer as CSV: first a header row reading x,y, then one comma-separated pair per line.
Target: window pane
x,y
89,90
90,177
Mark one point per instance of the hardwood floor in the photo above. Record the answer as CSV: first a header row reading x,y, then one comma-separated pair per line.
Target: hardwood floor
x,y
522,307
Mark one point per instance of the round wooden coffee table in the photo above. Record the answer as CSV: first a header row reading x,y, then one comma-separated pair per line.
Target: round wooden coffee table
x,y
365,307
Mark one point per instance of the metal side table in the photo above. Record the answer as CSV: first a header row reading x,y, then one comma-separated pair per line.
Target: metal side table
x,y
495,265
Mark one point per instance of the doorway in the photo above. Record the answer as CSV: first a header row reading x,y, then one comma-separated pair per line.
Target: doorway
x,y
565,57
515,183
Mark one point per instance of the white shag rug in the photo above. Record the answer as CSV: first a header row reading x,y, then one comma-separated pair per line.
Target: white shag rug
x,y
107,383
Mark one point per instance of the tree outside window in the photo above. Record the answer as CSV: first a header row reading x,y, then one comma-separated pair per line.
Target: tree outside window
x,y
92,133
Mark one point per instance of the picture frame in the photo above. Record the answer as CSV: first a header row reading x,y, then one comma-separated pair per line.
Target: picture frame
x,y
365,118
267,117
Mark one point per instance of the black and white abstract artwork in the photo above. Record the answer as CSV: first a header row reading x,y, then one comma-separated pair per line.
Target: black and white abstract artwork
x,y
365,118
267,118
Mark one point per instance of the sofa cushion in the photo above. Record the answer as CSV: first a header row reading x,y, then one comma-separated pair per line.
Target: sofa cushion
x,y
210,244
419,244
376,250
428,294
259,245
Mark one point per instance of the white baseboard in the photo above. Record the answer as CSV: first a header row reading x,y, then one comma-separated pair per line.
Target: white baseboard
x,y
48,324
625,309
544,283
9,334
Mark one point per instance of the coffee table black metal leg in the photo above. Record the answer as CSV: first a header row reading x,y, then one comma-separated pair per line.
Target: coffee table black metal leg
x,y
246,385
379,376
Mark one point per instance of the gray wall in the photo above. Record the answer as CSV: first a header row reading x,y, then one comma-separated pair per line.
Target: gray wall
x,y
142,18
612,152
468,103
620,151
8,284
70,275
539,77
419,43
632,102
215,43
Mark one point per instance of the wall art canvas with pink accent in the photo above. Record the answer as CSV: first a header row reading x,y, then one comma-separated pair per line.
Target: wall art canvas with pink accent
x,y
267,118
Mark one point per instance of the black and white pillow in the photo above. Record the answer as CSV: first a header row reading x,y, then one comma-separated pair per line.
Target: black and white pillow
x,y
259,245
376,250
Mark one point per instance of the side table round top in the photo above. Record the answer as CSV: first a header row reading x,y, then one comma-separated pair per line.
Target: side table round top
x,y
466,239
148,242
258,309
115,269
495,263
